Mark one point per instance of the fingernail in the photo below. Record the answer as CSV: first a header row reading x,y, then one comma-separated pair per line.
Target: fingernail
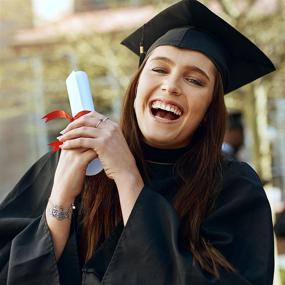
x,y
62,145
62,132
59,137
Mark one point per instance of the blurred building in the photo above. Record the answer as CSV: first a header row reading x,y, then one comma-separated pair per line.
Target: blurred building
x,y
9,23
37,60
33,70
14,141
88,5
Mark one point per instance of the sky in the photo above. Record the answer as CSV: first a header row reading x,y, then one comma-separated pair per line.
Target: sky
x,y
50,10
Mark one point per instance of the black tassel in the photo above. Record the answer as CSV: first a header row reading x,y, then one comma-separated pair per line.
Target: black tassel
x,y
142,50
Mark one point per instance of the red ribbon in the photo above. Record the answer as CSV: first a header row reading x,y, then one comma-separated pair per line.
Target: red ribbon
x,y
60,114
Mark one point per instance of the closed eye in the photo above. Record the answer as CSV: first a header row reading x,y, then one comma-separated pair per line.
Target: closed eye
x,y
159,70
195,81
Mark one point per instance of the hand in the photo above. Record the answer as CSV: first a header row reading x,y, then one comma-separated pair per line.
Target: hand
x,y
104,137
107,140
70,174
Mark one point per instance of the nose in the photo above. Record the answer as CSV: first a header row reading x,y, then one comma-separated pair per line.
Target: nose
x,y
171,86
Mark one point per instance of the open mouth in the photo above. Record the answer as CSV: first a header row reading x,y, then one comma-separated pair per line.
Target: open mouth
x,y
165,111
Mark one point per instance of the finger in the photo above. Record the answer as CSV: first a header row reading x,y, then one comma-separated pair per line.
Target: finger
x,y
79,143
84,151
87,132
89,155
79,150
89,119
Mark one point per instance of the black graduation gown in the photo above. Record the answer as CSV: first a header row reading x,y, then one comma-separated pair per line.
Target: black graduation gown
x,y
146,250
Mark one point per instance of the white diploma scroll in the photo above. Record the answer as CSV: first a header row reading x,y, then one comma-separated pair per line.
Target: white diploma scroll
x,y
80,99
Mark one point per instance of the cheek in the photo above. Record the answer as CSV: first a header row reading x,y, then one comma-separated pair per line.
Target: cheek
x,y
140,90
198,106
136,109
137,98
141,97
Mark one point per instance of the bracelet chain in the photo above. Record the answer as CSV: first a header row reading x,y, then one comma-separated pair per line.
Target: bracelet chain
x,y
59,212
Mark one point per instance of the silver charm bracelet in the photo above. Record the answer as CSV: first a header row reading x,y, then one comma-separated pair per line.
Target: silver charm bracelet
x,y
59,212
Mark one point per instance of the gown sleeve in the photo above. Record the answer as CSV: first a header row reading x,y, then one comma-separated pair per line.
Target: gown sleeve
x,y
240,227
26,248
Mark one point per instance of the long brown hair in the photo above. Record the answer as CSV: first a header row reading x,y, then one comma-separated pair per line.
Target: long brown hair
x,y
200,173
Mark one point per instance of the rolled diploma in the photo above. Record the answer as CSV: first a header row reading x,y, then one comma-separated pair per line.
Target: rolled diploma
x,y
80,99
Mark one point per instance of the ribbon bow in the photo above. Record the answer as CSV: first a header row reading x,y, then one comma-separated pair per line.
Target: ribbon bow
x,y
60,114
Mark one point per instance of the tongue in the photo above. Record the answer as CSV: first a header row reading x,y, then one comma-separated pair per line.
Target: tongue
x,y
165,114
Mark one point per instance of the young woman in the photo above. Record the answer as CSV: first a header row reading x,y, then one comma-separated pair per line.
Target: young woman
x,y
168,208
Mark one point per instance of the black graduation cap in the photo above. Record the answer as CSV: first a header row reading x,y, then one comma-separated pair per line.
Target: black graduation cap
x,y
189,24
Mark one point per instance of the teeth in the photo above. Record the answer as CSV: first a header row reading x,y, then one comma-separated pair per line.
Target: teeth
x,y
167,107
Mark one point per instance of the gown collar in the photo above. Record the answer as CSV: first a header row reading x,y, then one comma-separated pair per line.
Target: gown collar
x,y
157,155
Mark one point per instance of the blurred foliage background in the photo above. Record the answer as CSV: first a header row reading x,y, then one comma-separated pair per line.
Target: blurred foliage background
x,y
42,41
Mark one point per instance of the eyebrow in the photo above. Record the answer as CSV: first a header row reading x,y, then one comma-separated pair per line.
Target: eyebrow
x,y
192,67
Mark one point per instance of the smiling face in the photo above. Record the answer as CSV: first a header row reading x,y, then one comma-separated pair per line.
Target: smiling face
x,y
174,91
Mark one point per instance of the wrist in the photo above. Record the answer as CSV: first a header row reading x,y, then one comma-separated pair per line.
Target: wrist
x,y
61,199
129,186
129,180
59,211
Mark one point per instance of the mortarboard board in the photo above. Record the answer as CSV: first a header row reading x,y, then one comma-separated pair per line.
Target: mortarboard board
x,y
189,24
